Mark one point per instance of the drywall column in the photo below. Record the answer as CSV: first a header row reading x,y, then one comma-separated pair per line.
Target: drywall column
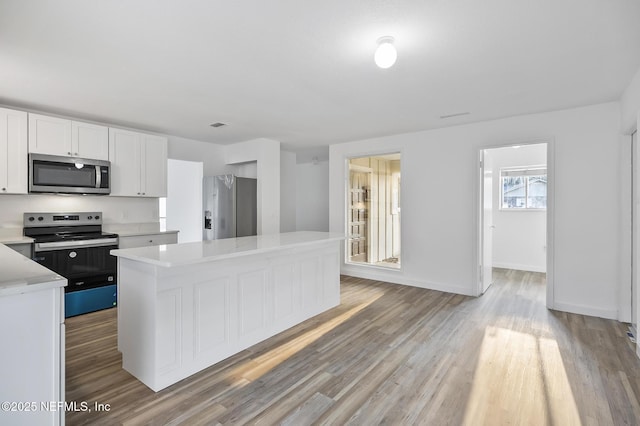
x,y
288,183
266,153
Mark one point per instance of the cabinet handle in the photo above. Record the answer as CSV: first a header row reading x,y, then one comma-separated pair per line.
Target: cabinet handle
x,y
150,241
75,153
144,193
138,193
4,189
68,153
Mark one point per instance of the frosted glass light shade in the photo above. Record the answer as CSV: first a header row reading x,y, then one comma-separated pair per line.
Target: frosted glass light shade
x,y
386,54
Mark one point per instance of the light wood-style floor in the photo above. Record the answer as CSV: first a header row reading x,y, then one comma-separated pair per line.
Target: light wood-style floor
x,y
389,354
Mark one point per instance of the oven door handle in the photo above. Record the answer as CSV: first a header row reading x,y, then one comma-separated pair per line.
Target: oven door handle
x,y
61,245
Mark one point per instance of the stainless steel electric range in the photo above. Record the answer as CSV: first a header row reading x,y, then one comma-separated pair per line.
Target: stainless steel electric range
x,y
74,246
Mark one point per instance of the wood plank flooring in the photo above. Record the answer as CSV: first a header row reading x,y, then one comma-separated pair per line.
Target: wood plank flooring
x,y
389,354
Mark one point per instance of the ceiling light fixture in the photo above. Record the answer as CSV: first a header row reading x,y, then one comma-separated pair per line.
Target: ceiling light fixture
x,y
386,53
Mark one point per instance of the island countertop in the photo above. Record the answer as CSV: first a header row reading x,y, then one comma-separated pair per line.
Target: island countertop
x,y
206,251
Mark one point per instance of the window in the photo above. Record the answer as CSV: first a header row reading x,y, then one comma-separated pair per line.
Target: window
x,y
162,212
524,188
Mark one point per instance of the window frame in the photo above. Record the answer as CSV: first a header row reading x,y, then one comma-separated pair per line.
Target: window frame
x,y
525,172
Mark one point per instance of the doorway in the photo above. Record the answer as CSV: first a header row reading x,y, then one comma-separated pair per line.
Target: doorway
x,y
373,211
513,210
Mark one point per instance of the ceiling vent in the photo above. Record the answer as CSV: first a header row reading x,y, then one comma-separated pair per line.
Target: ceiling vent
x,y
218,124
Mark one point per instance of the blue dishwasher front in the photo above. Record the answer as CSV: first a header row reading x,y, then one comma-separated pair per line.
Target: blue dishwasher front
x,y
93,299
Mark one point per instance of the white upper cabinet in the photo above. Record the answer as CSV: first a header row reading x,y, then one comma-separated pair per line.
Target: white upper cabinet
x,y
124,154
59,136
153,178
89,141
13,152
49,135
138,164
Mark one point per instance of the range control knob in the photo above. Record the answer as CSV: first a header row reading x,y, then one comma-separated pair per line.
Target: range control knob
x,y
97,217
89,217
31,218
40,218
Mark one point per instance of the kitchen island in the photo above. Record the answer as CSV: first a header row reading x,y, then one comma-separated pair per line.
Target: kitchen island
x,y
184,307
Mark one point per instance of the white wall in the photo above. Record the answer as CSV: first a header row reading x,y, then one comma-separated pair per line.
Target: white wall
x,y
211,155
519,237
287,191
312,196
266,153
630,105
184,199
439,229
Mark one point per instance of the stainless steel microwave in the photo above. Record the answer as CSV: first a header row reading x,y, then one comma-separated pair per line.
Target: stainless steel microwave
x,y
68,175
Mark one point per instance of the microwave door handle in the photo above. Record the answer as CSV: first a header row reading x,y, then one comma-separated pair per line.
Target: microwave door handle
x,y
98,177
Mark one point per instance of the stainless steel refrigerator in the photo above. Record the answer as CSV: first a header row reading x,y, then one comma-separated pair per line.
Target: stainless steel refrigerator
x,y
230,207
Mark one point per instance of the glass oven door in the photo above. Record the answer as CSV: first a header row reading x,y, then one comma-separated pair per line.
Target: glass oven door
x,y
84,268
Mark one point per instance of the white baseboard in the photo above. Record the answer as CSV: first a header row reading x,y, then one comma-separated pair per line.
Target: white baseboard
x,y
396,277
586,310
519,267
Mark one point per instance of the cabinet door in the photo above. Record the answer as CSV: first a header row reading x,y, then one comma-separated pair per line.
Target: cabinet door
x,y
89,141
13,152
49,135
124,154
154,166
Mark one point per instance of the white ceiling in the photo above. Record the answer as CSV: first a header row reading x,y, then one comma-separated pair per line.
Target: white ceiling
x,y
302,72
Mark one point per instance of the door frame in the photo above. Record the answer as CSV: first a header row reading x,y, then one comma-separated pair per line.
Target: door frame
x,y
635,228
477,205
486,232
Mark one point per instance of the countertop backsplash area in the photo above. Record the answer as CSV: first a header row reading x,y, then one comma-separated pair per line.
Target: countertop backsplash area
x,y
115,210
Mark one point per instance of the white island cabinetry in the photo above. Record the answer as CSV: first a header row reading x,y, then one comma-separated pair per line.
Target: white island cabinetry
x,y
184,307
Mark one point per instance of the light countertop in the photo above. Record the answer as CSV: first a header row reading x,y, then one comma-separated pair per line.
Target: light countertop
x,y
20,274
136,229
18,239
206,251
13,236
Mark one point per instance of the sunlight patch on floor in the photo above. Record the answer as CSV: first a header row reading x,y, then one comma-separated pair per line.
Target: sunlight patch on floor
x,y
255,368
520,379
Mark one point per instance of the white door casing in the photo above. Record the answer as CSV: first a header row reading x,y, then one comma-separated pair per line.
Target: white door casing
x,y
486,220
